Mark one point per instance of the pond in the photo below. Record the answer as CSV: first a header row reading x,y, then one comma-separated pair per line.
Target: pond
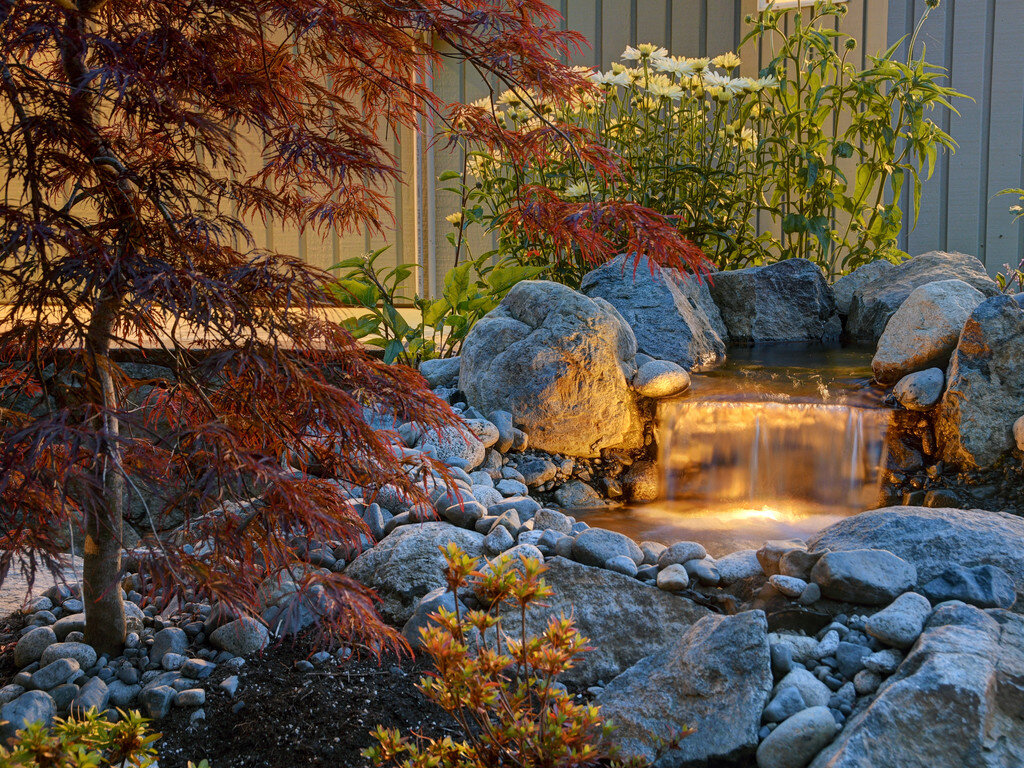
x,y
778,443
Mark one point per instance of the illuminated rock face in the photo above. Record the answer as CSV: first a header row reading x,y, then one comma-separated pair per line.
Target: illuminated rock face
x,y
985,390
560,363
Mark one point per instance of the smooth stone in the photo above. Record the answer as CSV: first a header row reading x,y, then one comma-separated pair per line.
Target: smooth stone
x,y
621,564
551,519
771,553
652,551
738,566
901,623
796,742
682,552
850,659
30,707
810,595
866,682
596,546
168,640
798,563
673,578
54,673
660,378
921,390
190,697
31,646
241,637
790,586
884,662
84,654
813,691
784,705
866,576
155,702
94,695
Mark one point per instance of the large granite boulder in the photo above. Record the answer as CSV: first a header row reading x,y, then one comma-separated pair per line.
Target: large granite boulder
x,y
877,300
934,539
560,362
408,564
844,287
985,386
925,330
664,309
786,301
623,619
715,678
955,702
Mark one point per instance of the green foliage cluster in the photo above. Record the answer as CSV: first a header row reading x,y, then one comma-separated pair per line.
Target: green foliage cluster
x,y
501,689
91,741
1011,279
809,159
471,290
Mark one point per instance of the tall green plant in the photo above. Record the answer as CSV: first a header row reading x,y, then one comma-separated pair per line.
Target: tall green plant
x,y
438,326
840,143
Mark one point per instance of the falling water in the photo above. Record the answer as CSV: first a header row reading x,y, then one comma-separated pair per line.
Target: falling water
x,y
761,451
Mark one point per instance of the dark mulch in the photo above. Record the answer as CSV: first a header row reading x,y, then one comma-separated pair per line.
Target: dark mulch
x,y
293,718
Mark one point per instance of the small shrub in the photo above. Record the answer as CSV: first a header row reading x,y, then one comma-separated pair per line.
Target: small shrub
x,y
89,742
501,689
1011,279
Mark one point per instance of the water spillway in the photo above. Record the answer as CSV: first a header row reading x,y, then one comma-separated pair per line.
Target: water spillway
x,y
764,450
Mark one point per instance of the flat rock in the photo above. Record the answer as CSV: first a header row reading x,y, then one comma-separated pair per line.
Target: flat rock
x,y
954,703
925,330
934,539
789,300
408,564
599,600
985,387
715,677
877,300
560,363
671,314
866,576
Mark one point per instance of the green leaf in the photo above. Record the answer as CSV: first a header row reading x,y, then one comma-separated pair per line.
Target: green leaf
x,y
395,320
794,222
393,350
844,149
435,311
456,283
365,294
449,175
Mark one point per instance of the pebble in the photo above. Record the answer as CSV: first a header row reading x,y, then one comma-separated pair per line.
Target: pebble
x,y
304,666
784,705
190,697
498,540
156,702
850,659
901,623
781,659
790,586
681,552
652,551
884,662
814,692
621,564
827,645
866,682
673,578
702,571
172,661
229,685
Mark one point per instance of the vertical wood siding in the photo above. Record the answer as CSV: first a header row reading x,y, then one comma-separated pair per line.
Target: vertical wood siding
x,y
981,42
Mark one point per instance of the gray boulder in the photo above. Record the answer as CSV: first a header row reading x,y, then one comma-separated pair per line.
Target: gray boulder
x,y
715,678
560,362
934,539
241,637
32,644
623,619
442,372
876,301
448,443
985,586
985,386
168,640
30,707
921,390
664,309
955,702
865,576
786,301
925,330
408,564
844,287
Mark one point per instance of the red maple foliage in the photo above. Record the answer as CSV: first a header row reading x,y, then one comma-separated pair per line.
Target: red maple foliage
x,y
123,130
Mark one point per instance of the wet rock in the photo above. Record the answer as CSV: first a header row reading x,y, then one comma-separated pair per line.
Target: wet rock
x,y
668,311
789,300
925,329
643,481
660,378
715,677
560,363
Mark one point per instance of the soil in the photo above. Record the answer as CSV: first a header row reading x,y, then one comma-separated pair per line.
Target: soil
x,y
281,716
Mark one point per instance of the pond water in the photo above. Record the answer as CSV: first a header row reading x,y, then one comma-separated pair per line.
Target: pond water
x,y
778,443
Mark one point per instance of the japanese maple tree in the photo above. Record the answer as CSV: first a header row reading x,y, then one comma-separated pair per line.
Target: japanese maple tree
x,y
124,228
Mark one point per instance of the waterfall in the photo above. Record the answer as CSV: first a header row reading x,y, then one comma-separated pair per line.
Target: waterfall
x,y
772,454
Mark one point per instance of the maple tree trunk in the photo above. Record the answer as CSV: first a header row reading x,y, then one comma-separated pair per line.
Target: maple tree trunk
x,y
101,583
105,627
